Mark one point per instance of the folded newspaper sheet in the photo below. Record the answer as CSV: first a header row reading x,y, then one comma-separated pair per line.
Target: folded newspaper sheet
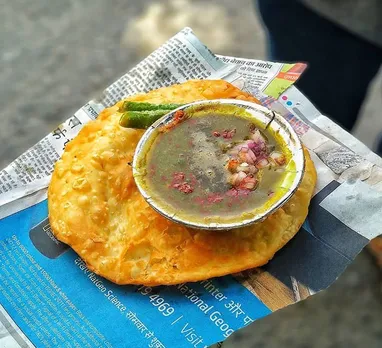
x,y
48,298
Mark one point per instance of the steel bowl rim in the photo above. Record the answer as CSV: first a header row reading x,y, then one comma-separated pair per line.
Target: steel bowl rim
x,y
223,226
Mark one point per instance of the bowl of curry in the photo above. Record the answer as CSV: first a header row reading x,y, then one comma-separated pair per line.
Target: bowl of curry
x,y
218,164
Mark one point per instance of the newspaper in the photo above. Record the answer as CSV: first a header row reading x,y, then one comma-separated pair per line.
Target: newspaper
x,y
48,297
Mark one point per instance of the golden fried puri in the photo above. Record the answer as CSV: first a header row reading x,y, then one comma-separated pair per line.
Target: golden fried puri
x,y
95,207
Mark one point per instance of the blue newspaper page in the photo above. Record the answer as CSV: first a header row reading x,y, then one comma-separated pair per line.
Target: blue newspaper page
x,y
56,301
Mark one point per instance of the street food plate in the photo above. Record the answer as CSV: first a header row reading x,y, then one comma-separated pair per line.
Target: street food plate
x,y
97,209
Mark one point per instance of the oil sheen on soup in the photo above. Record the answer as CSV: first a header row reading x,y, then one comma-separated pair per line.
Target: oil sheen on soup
x,y
215,165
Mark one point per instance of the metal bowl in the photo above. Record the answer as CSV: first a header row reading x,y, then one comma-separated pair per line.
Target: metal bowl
x,y
263,117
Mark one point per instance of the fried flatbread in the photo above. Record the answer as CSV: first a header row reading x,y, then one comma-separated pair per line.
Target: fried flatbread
x,y
95,207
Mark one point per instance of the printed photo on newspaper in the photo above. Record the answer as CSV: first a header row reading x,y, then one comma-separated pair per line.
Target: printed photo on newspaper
x,y
86,261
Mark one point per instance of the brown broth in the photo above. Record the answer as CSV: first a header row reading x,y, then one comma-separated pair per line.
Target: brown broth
x,y
186,168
